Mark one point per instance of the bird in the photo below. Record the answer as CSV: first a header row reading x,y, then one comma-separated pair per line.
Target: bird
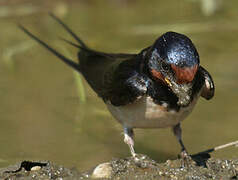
x,y
155,88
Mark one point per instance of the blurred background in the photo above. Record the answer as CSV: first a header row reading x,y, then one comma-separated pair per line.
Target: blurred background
x,y
48,112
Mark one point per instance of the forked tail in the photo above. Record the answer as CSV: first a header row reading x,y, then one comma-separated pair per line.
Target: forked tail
x,y
82,44
66,60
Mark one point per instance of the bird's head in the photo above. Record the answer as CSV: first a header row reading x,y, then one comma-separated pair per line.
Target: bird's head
x,y
174,60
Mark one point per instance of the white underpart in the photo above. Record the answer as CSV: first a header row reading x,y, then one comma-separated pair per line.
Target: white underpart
x,y
144,113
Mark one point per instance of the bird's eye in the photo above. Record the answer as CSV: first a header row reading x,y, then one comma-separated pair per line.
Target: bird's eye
x,y
164,66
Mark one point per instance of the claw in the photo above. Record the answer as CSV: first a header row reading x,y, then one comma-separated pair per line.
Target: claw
x,y
187,160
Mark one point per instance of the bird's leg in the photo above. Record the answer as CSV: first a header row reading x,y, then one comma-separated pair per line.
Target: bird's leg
x,y
178,133
128,139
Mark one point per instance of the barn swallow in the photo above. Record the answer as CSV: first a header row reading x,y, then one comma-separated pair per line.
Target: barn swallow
x,y
156,88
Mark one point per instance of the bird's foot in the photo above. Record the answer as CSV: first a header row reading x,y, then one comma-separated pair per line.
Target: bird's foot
x,y
186,159
130,142
184,155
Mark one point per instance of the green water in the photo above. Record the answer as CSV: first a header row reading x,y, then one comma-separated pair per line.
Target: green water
x,y
42,116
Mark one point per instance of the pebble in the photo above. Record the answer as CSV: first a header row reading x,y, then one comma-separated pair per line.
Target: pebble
x,y
102,171
35,168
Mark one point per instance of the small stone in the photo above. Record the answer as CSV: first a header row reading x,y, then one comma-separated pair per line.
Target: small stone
x,y
173,177
35,168
102,171
168,162
161,173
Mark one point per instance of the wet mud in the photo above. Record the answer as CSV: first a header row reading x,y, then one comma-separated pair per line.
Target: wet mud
x,y
141,167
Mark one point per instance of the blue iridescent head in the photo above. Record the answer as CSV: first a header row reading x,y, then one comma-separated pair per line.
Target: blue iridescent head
x,y
173,57
177,49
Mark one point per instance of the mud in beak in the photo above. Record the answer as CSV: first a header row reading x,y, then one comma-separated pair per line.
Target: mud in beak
x,y
168,82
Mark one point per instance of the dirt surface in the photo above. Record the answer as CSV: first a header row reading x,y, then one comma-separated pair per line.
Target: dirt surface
x,y
141,167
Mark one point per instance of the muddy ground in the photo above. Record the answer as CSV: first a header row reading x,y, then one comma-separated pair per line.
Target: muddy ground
x,y
141,167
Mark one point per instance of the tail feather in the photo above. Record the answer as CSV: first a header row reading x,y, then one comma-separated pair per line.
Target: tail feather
x,y
82,45
69,30
91,51
78,46
71,43
56,53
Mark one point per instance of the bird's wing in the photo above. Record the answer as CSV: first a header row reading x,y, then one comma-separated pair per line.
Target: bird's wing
x,y
209,87
123,84
98,68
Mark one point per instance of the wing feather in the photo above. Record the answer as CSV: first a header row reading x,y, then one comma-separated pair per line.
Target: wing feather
x,y
208,90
